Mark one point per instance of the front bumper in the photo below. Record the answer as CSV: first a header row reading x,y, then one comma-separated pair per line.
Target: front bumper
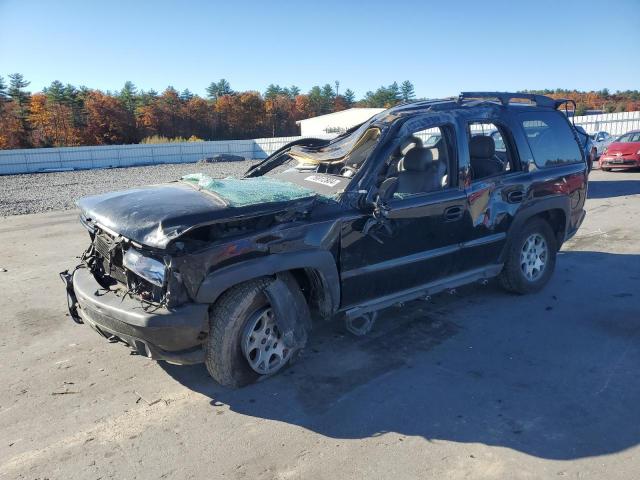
x,y
617,162
174,335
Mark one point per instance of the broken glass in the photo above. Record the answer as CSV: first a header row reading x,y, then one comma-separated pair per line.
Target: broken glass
x,y
239,192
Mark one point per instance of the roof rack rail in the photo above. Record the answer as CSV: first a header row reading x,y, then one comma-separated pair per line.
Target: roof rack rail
x,y
505,98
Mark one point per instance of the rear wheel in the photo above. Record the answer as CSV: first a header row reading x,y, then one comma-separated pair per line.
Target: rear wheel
x,y
244,341
531,258
605,169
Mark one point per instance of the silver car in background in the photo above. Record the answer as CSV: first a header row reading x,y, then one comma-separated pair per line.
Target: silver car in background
x,y
601,141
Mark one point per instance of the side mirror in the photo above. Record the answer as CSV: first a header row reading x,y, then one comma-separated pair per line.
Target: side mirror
x,y
387,189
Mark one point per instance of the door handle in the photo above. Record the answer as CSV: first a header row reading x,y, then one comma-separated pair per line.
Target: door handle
x,y
454,213
515,197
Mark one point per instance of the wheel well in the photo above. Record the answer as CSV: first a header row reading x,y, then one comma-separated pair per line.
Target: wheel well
x,y
557,219
315,291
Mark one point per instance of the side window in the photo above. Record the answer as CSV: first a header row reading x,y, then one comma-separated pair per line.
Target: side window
x,y
422,162
499,142
489,154
550,138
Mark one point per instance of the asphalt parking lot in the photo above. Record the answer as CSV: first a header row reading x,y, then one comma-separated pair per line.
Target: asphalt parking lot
x,y
479,384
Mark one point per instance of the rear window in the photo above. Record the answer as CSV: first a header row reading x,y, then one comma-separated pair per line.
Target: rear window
x,y
551,140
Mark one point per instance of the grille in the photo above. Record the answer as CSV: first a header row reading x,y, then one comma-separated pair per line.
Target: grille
x,y
102,247
111,257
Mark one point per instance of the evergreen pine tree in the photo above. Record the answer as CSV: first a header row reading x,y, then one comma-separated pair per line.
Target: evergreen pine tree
x,y
129,96
349,97
272,91
294,91
186,95
407,91
55,92
17,84
3,89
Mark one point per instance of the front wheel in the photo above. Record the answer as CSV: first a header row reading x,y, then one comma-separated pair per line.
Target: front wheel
x,y
245,342
531,258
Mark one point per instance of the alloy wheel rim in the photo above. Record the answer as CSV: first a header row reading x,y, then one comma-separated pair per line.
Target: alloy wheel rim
x,y
533,257
262,343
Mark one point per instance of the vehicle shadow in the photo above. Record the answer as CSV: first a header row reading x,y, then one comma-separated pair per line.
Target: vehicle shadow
x,y
613,188
553,374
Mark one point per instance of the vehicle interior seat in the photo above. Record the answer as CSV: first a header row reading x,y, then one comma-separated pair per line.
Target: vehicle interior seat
x,y
419,172
408,144
484,163
442,156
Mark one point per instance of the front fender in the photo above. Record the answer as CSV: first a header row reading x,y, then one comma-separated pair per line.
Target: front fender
x,y
320,260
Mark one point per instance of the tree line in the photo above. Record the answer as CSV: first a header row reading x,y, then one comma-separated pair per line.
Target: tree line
x,y
600,100
65,115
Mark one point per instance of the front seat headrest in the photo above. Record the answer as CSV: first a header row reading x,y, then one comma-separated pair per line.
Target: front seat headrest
x,y
417,160
482,146
409,143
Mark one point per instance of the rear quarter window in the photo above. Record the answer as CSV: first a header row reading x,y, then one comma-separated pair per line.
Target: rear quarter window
x,y
550,138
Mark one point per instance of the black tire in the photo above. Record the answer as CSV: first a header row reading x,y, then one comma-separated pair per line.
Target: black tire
x,y
605,169
513,278
224,358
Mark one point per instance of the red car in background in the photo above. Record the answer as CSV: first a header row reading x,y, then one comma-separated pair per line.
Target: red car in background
x,y
623,152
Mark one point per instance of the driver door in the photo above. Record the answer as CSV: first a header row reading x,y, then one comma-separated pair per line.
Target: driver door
x,y
419,240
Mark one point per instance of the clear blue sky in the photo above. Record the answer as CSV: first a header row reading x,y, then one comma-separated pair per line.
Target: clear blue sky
x,y
443,47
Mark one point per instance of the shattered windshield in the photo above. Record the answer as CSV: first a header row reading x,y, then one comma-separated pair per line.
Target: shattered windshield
x,y
239,192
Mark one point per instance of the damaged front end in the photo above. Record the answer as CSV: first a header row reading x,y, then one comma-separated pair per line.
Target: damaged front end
x,y
127,294
151,249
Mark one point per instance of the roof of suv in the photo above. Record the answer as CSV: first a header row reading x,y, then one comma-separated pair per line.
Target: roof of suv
x,y
472,99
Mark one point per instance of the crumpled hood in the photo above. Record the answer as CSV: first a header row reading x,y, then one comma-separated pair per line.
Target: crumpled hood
x,y
157,214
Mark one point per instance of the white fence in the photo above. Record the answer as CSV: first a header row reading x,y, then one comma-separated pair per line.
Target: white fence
x,y
614,123
68,158
48,159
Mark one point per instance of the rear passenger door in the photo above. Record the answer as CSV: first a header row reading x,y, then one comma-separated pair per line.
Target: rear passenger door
x,y
496,187
544,171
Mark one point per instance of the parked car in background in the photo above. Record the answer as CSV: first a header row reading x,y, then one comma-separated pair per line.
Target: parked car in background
x,y
623,152
587,145
601,141
230,272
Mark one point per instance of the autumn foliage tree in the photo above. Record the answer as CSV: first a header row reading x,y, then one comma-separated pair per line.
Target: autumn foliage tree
x,y
11,128
108,121
65,115
52,123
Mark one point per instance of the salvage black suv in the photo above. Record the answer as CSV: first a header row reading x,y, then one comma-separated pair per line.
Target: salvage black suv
x,y
422,197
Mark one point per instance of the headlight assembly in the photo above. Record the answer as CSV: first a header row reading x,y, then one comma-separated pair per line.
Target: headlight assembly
x,y
150,269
